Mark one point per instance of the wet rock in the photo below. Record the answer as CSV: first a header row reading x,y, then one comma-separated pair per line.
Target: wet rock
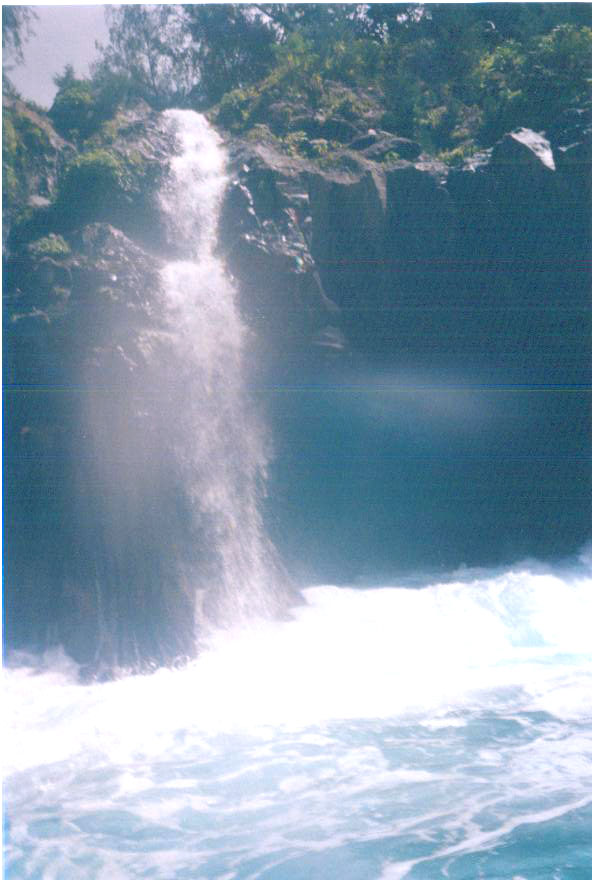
x,y
240,207
348,232
571,138
379,145
571,141
421,225
337,129
265,238
524,149
49,274
310,124
75,336
34,155
353,254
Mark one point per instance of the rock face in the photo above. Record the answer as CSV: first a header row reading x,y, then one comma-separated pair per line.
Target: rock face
x,y
425,276
379,259
264,232
84,452
33,157
348,246
75,349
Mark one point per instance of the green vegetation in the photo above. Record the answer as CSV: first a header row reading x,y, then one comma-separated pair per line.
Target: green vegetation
x,y
530,84
82,106
10,183
306,78
26,148
73,111
106,182
93,174
102,178
452,76
51,245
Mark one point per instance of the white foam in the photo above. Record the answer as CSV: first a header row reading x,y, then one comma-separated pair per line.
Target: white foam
x,y
503,641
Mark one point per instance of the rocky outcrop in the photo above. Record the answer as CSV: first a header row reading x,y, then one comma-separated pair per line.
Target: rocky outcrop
x,y
33,156
112,177
373,238
571,142
265,232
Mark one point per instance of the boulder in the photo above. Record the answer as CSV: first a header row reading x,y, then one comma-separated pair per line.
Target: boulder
x,y
529,195
524,149
379,145
571,142
34,155
571,138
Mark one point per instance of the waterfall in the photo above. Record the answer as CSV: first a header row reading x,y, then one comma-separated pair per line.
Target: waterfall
x,y
219,442
138,523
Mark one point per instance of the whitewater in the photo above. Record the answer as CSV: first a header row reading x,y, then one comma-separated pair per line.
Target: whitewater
x,y
387,733
437,727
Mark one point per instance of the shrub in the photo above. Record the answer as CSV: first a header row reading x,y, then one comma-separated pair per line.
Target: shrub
x,y
73,111
51,245
531,84
26,155
9,155
233,110
94,180
457,155
81,106
295,143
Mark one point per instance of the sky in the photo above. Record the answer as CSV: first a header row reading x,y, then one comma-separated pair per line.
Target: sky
x,y
63,35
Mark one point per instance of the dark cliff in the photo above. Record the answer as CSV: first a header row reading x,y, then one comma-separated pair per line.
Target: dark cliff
x,y
429,328
375,270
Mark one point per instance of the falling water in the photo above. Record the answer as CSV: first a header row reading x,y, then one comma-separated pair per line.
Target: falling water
x,y
220,443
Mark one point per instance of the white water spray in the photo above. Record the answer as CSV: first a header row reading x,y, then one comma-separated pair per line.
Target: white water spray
x,y
442,732
220,443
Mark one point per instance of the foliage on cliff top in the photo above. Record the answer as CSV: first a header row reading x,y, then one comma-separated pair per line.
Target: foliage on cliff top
x,y
307,76
82,106
447,75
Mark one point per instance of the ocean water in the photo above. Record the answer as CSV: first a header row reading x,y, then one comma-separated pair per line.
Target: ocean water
x,y
377,734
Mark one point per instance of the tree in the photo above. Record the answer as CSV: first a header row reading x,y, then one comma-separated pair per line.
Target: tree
x,y
151,48
232,47
449,74
530,83
73,109
186,55
16,30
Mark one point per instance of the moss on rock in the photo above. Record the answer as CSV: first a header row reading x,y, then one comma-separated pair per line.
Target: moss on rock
x,y
51,245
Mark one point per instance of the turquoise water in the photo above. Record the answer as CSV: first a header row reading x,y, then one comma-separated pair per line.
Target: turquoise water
x,y
387,733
